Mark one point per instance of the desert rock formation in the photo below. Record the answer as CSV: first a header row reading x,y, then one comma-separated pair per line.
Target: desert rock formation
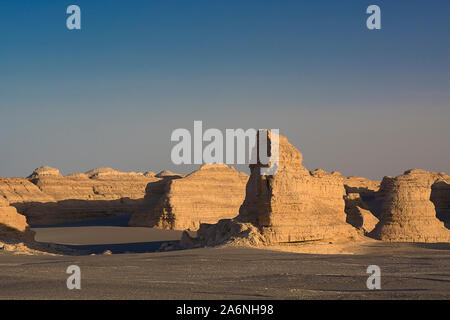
x,y
47,197
13,224
213,192
360,192
408,214
292,205
168,173
358,213
361,185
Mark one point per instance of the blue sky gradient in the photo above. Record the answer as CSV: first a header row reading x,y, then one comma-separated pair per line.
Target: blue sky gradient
x,y
361,102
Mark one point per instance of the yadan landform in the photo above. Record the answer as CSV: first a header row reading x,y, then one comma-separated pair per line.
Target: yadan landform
x,y
218,223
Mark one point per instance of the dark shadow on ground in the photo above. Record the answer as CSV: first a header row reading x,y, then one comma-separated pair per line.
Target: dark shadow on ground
x,y
116,248
435,246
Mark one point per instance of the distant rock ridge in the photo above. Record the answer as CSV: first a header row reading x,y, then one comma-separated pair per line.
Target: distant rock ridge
x,y
168,173
47,197
213,192
45,171
361,185
292,205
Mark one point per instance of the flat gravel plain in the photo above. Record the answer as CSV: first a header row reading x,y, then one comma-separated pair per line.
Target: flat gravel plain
x,y
408,271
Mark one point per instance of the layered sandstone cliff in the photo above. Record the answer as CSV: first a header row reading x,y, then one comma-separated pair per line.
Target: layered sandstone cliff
x,y
408,214
361,205
207,195
291,205
24,195
47,197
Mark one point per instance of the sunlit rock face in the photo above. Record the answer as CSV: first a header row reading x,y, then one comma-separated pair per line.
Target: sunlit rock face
x,y
292,205
213,192
408,214
13,224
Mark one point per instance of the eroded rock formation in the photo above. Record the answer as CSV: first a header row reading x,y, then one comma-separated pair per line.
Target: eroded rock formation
x,y
47,197
358,213
12,224
207,195
361,185
292,205
440,196
408,214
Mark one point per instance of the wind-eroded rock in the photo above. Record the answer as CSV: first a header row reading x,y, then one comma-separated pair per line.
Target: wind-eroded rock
x,y
207,195
408,214
361,185
47,197
13,224
358,213
292,205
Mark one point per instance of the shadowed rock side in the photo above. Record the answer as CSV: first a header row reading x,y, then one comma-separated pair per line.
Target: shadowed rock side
x,y
12,224
213,192
293,205
440,196
98,184
408,215
23,195
367,190
47,197
358,213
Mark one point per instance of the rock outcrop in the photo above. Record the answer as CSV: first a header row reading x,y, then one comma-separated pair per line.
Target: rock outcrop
x,y
361,185
168,173
213,192
292,205
12,224
358,213
47,197
440,196
408,215
22,194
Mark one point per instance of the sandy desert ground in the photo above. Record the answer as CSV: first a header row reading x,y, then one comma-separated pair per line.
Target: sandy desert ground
x,y
136,271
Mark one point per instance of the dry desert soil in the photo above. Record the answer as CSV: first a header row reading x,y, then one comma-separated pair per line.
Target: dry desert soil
x,y
136,271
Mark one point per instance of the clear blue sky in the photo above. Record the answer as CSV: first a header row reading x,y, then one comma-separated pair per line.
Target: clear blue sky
x,y
361,102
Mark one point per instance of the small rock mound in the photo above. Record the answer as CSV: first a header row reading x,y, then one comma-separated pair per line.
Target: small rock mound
x,y
168,173
45,171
